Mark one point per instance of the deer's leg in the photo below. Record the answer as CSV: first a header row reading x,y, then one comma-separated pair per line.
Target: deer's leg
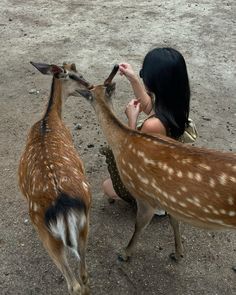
x,y
55,249
144,215
82,243
178,243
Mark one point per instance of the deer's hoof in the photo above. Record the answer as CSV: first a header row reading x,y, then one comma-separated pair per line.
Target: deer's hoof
x,y
75,289
86,290
175,257
123,257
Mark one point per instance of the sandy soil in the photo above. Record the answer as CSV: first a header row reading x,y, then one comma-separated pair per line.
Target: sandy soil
x,y
96,34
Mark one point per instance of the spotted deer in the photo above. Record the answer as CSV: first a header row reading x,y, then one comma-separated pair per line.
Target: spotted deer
x,y
52,178
194,185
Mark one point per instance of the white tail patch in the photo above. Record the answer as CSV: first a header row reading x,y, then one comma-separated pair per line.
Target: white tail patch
x,y
75,221
58,228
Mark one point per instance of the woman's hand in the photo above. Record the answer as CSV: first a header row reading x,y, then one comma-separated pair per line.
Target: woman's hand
x,y
127,70
132,111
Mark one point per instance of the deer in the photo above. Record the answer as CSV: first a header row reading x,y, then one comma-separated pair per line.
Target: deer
x,y
52,178
192,184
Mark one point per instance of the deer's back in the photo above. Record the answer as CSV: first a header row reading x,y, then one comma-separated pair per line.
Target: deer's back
x,y
50,164
189,182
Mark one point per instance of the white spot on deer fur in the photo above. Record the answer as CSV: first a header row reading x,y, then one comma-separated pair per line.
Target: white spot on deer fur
x,y
148,139
35,207
232,213
182,204
212,182
140,154
51,166
205,166
165,166
216,212
179,173
190,175
223,179
183,188
164,194
231,201
196,199
134,150
160,165
222,211
85,185
130,146
206,210
170,171
217,194
186,161
130,166
143,179
126,174
173,199
233,179
65,158
192,201
148,161
198,177
31,204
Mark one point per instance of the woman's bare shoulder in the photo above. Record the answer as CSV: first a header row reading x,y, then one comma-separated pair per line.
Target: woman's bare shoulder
x,y
153,126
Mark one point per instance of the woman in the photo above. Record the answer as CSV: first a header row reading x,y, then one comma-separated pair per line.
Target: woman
x,y
164,96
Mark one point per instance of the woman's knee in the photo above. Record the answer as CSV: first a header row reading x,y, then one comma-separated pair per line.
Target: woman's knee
x,y
108,188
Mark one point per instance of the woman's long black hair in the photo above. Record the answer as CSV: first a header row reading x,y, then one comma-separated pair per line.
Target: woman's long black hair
x,y
164,73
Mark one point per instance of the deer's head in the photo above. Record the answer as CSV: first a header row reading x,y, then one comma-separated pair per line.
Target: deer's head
x,y
67,74
101,92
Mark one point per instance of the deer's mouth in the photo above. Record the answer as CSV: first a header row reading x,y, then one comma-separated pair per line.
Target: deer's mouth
x,y
81,80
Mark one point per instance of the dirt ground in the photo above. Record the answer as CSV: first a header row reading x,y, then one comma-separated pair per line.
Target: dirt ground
x,y
95,35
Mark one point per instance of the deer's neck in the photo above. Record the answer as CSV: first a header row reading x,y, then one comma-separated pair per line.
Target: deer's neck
x,y
55,100
114,131
54,107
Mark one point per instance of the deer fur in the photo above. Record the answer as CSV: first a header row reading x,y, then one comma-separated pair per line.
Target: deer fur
x,y
194,185
52,178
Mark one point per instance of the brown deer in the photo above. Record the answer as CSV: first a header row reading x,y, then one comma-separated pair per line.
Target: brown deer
x,y
52,178
194,185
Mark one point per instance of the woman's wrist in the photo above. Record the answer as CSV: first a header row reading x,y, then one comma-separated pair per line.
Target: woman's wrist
x,y
134,80
132,124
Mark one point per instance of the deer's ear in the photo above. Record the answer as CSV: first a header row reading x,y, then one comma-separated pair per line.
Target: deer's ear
x,y
110,88
47,69
85,93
